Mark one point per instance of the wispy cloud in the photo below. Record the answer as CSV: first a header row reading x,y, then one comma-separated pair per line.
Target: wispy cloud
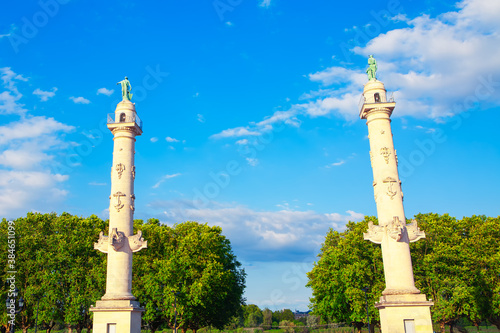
x,y
9,99
45,95
200,118
79,100
234,133
265,3
169,139
154,139
105,91
164,178
242,142
339,163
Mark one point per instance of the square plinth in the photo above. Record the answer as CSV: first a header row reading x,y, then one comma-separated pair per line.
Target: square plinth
x,y
405,314
117,316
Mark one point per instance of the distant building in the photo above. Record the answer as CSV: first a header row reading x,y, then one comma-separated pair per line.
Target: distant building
x,y
298,314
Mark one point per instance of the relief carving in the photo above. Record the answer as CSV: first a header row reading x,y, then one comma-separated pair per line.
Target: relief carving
x,y
132,201
116,239
414,232
136,242
133,171
119,204
120,168
375,233
396,229
390,190
102,243
385,152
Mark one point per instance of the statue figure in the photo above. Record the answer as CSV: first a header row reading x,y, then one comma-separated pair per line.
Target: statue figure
x,y
372,69
126,88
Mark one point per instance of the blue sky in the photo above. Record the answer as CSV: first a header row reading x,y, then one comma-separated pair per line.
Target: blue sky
x,y
250,112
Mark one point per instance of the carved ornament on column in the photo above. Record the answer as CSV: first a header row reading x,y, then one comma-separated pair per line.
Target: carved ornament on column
x,y
119,204
385,152
136,242
391,192
120,168
116,239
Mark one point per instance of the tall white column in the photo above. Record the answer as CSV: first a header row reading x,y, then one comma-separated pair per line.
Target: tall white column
x,y
117,310
402,307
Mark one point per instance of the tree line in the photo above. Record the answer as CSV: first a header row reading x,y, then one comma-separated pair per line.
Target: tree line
x,y
457,266
60,275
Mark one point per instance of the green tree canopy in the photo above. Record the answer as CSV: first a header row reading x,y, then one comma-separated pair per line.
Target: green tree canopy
x,y
194,263
346,265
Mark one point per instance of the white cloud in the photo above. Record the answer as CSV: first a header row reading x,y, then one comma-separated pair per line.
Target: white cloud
x,y
229,23
23,191
260,235
79,100
428,58
200,118
265,3
31,128
234,133
9,98
169,139
154,139
339,163
105,91
165,178
242,142
252,161
45,95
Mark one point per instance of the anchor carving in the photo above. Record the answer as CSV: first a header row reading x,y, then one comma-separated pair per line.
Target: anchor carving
x,y
390,191
119,205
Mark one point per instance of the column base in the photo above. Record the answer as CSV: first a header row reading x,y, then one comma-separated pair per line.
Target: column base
x,y
117,316
408,313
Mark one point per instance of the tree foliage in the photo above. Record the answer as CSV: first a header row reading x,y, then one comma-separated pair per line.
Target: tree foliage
x,y
192,265
56,263
346,265
457,267
55,258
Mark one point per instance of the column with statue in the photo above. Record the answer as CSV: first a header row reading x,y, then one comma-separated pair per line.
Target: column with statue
x,y
118,311
402,307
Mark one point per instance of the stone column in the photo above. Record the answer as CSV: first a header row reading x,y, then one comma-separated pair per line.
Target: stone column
x,y
401,306
117,311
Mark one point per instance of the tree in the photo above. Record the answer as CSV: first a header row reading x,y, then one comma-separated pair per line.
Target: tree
x,y
312,321
252,315
346,264
267,318
55,259
455,266
195,264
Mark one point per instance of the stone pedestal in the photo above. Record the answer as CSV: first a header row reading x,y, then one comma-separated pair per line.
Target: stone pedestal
x,y
405,313
112,316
